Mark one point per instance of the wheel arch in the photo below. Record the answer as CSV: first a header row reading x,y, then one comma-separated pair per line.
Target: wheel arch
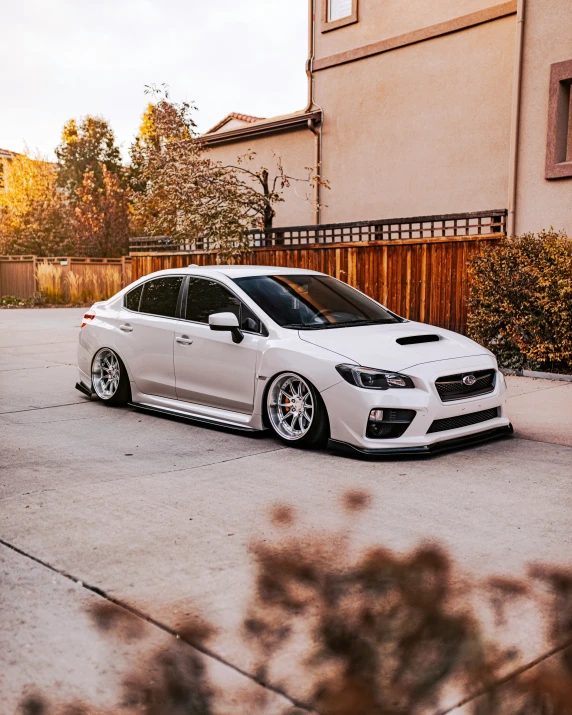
x,y
270,380
123,393
114,349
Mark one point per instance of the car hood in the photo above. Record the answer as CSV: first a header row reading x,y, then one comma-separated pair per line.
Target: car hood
x,y
376,345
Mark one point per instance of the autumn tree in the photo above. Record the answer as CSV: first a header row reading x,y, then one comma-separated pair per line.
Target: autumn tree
x,y
87,146
182,193
185,194
101,214
34,216
146,140
91,174
271,184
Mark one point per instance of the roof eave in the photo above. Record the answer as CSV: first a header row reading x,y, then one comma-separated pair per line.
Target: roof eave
x,y
254,130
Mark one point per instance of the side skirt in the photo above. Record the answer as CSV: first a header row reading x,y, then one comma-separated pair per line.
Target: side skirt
x,y
194,417
82,388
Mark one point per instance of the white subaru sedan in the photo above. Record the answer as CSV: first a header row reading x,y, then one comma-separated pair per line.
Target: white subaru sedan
x,y
294,351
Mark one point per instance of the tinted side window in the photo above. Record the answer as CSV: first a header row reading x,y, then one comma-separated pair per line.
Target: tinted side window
x,y
207,297
160,296
133,297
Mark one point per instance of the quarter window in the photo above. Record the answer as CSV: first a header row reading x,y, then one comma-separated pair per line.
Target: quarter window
x,y
160,296
133,298
207,297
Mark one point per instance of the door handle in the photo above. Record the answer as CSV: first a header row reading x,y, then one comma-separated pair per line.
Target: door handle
x,y
184,340
126,328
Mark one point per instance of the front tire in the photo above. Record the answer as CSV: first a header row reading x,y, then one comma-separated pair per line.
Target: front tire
x,y
109,378
296,412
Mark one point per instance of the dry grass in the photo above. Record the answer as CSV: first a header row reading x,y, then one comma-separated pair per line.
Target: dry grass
x,y
49,280
89,284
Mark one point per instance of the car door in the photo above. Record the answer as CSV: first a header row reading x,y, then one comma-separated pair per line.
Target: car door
x,y
210,368
146,334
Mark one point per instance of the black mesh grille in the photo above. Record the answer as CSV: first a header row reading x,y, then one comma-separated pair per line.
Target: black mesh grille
x,y
463,420
452,387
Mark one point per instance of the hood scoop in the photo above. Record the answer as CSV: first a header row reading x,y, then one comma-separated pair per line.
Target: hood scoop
x,y
415,339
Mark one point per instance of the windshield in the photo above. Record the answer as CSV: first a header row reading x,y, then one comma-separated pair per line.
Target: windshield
x,y
313,302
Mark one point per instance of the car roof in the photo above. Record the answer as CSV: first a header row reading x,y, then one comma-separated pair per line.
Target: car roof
x,y
237,271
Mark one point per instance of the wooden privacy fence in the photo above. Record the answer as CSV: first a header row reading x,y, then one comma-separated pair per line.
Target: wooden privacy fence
x,y
423,279
63,279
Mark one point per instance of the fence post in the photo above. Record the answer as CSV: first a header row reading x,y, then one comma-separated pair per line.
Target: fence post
x,y
34,274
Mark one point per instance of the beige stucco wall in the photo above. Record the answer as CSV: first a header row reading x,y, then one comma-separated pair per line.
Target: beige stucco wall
x,y
420,130
547,39
381,20
296,149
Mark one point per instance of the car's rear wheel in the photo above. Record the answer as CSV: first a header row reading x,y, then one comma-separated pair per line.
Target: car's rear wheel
x,y
109,378
296,411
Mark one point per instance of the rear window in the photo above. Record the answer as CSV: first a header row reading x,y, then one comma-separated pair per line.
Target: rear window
x,y
160,296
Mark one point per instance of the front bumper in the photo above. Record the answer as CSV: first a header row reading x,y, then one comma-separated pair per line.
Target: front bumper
x,y
349,407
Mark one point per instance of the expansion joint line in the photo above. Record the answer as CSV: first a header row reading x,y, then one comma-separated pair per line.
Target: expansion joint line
x,y
207,652
508,677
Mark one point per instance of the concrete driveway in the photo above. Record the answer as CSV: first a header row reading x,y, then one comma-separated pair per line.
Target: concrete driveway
x,y
100,504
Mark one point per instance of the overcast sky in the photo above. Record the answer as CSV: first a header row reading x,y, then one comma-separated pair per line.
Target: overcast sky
x,y
67,58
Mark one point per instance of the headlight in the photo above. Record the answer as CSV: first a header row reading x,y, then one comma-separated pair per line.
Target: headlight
x,y
372,379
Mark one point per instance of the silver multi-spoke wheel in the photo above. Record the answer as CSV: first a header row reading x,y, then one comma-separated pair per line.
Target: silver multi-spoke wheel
x,y
290,406
106,374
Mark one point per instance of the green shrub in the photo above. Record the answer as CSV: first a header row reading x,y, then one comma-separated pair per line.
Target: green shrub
x,y
520,305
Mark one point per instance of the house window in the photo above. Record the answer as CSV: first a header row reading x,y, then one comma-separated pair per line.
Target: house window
x,y
338,9
338,13
569,132
559,139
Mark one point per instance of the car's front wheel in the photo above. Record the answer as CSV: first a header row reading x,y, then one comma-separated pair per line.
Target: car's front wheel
x,y
109,378
296,411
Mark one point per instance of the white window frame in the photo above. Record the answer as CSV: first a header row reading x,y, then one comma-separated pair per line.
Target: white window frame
x,y
329,24
336,9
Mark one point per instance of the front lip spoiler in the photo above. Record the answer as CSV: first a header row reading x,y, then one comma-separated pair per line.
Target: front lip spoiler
x,y
428,450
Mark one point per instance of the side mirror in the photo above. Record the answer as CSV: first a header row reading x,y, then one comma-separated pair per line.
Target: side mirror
x,y
226,322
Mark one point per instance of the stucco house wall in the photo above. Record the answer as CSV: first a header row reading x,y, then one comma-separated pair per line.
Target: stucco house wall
x,y
423,129
382,20
415,101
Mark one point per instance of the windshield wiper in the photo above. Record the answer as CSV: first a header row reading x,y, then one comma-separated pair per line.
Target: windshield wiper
x,y
360,323
343,324
306,326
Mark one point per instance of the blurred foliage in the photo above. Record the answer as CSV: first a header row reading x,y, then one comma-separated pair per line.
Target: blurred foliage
x,y
520,305
341,630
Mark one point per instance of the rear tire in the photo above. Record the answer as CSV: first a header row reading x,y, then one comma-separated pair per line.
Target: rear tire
x,y
296,412
109,378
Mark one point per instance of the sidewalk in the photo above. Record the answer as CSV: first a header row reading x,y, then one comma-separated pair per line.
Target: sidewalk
x,y
540,410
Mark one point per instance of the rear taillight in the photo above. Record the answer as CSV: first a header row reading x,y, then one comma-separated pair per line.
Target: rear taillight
x,y
90,315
